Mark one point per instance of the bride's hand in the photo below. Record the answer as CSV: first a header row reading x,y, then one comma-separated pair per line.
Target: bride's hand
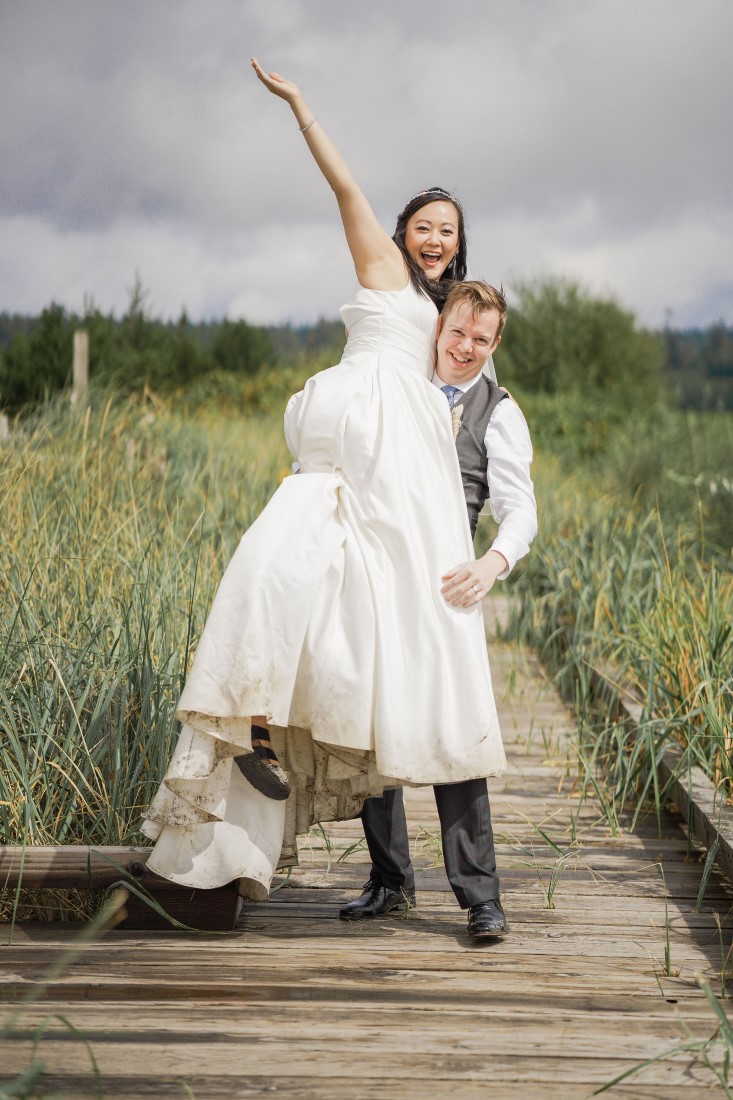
x,y
276,84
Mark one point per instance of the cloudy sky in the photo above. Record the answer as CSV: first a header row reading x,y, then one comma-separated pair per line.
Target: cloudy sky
x,y
589,138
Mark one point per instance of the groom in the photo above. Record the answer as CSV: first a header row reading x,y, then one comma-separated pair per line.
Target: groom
x,y
494,454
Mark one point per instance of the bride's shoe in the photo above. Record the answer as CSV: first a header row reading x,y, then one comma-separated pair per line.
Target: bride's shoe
x,y
261,767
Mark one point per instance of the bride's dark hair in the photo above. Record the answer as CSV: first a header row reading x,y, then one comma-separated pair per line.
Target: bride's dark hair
x,y
436,289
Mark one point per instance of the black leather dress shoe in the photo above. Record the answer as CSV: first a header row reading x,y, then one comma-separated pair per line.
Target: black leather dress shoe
x,y
376,901
487,920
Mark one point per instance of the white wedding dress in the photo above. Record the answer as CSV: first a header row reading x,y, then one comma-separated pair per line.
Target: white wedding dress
x,y
329,619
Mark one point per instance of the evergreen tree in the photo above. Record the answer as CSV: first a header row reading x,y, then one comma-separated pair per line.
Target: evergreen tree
x,y
35,367
242,348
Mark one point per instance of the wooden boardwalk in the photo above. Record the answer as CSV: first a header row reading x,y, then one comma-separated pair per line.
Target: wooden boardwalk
x,y
300,1004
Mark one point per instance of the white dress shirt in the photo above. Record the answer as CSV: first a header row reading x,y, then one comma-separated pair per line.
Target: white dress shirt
x,y
511,493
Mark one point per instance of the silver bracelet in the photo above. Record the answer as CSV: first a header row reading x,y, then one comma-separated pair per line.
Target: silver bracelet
x,y
307,126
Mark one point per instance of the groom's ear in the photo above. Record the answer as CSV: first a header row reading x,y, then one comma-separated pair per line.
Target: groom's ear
x,y
440,325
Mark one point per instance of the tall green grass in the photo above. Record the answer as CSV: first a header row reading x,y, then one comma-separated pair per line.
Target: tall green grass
x,y
610,579
117,525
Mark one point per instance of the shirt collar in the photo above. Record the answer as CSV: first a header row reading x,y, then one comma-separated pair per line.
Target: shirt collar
x,y
462,389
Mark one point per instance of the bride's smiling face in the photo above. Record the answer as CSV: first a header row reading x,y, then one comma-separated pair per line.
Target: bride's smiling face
x,y
431,237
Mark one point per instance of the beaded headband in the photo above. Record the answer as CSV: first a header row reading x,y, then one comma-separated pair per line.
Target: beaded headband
x,y
438,191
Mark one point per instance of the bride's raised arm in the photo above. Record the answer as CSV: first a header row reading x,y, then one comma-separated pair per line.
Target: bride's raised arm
x,y
378,262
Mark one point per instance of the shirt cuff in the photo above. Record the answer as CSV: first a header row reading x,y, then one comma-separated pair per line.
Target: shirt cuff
x,y
507,547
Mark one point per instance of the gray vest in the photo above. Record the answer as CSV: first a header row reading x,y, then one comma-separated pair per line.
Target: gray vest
x,y
478,405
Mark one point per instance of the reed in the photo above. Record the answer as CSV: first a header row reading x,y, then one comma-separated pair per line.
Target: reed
x,y
117,524
609,580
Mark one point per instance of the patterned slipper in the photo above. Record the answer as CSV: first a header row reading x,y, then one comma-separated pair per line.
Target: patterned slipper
x,y
261,767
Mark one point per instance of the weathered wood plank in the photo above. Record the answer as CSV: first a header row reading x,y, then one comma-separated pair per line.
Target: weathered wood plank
x,y
315,1088
352,1034
528,1061
415,1087
75,866
451,1016
225,981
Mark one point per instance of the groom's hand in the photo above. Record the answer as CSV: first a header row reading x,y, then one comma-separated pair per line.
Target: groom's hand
x,y
467,584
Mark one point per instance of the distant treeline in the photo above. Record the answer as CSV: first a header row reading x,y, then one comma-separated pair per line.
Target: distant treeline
x,y
698,365
137,350
559,339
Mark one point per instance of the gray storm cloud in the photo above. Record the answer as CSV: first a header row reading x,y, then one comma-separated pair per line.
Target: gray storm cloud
x,y
587,139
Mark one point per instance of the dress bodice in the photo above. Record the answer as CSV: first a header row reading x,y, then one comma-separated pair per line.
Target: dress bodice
x,y
398,323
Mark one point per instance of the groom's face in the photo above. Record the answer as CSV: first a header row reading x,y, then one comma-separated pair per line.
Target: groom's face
x,y
465,341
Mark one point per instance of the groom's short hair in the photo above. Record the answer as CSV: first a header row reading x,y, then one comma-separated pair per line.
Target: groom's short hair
x,y
480,298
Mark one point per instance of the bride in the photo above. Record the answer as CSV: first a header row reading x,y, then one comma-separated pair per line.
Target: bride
x,y
330,665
